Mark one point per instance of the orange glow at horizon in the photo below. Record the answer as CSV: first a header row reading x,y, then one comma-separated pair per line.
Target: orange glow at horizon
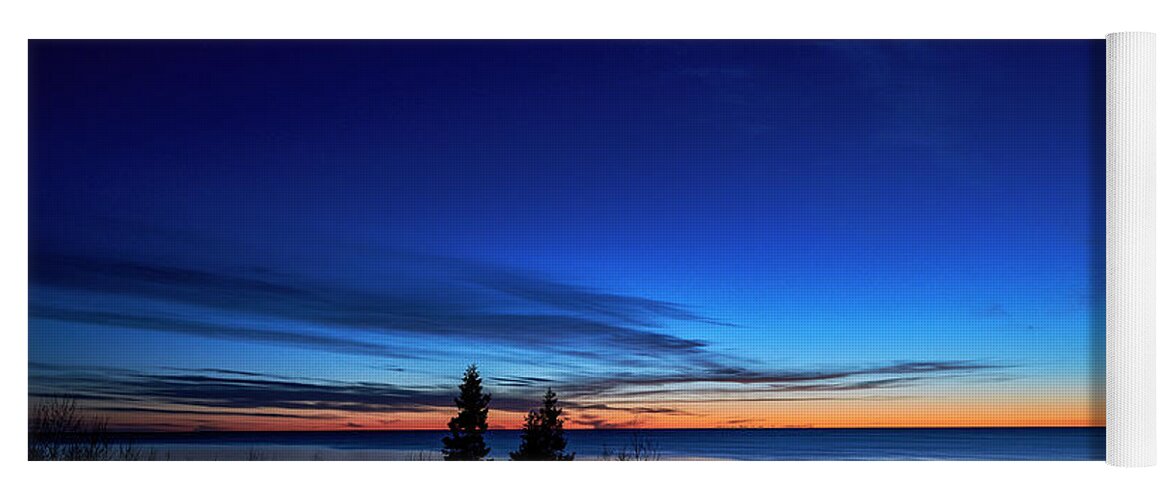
x,y
1003,411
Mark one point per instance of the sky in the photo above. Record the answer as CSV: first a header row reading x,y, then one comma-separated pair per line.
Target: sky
x,y
262,235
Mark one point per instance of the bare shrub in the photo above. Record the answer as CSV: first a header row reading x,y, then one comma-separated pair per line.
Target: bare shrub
x,y
641,448
59,430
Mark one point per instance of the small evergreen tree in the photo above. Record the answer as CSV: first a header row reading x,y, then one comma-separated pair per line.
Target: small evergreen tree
x,y
468,426
543,437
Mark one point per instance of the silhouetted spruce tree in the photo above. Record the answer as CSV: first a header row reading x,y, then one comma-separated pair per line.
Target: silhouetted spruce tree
x,y
543,437
467,427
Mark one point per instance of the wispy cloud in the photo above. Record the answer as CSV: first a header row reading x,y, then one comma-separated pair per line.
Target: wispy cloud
x,y
505,311
885,383
467,302
595,421
213,392
626,409
209,413
779,380
625,309
253,395
216,331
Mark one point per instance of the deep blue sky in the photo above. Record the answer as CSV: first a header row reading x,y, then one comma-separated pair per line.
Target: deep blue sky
x,y
692,219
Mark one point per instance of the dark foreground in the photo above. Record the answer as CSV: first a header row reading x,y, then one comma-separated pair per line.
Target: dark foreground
x,y
1082,443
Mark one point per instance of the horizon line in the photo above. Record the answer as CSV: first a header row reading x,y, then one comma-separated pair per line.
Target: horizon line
x,y
912,427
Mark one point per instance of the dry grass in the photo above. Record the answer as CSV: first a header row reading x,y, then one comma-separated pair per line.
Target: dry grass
x,y
640,449
59,430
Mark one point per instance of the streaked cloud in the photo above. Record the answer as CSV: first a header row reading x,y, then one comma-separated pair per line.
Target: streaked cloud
x,y
782,380
214,392
217,331
474,302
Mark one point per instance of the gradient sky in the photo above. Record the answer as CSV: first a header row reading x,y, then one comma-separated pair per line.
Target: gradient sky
x,y
322,235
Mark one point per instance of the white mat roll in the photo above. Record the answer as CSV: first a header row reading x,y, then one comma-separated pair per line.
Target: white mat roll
x,y
1130,242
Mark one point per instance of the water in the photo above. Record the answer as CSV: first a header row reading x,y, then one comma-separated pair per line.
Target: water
x,y
706,444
